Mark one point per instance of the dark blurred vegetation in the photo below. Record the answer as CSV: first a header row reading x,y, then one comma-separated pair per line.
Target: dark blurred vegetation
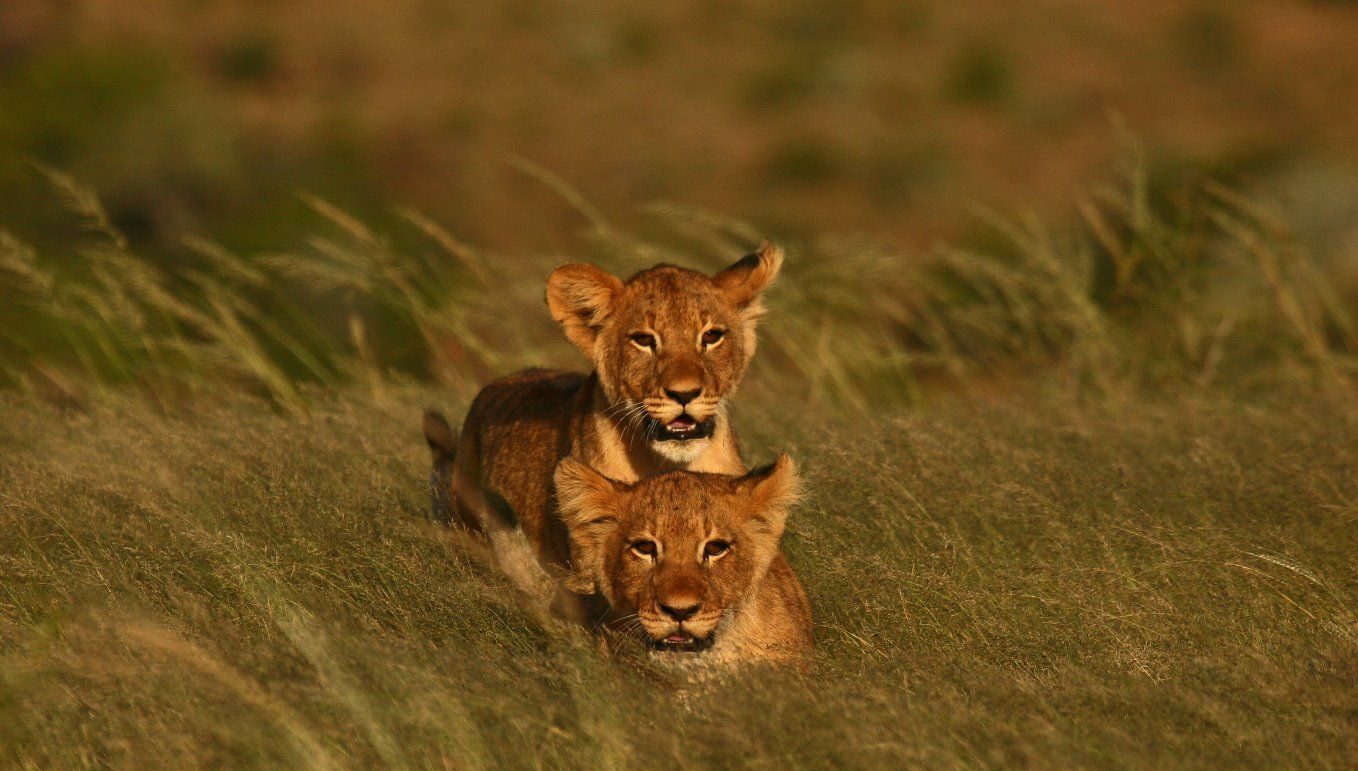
x,y
803,117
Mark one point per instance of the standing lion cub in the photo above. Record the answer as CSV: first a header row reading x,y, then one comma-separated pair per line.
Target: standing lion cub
x,y
668,347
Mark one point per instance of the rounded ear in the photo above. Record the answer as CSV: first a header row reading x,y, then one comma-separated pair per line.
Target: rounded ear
x,y
590,504
583,493
772,490
580,297
743,282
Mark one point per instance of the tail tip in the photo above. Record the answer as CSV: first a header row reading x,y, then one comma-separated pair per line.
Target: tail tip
x,y
438,433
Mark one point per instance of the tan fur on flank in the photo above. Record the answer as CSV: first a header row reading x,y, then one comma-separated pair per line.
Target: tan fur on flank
x,y
496,476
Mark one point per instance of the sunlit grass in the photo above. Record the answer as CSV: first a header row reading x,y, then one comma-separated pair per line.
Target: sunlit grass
x,y
1024,582
1183,288
1075,499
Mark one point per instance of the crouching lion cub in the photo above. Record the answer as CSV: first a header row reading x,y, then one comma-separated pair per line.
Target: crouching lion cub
x,y
693,558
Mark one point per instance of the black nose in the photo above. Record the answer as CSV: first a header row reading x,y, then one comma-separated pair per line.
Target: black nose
x,y
680,613
683,397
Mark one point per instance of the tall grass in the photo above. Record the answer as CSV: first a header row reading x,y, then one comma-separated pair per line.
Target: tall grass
x,y
1155,287
109,318
1022,580
1019,583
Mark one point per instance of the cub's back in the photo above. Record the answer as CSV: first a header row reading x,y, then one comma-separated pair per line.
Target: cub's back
x,y
516,430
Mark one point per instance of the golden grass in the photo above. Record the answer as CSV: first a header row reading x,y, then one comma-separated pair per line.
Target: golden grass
x,y
1023,581
1182,289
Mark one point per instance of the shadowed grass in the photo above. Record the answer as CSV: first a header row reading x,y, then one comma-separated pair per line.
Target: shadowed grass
x,y
1017,583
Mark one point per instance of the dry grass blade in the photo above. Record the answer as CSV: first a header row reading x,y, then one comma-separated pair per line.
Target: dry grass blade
x,y
563,189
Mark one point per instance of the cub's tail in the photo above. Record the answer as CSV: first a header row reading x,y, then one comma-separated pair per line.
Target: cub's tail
x,y
442,441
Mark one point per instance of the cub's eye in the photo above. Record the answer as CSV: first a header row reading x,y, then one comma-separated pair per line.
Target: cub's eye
x,y
713,336
715,549
643,340
644,548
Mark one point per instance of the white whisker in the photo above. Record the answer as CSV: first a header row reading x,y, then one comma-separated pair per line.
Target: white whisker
x,y
631,421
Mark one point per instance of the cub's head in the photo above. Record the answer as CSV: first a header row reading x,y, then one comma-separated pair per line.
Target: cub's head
x,y
679,549
669,344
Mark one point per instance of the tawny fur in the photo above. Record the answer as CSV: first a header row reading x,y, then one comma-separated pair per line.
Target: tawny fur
x,y
497,478
743,600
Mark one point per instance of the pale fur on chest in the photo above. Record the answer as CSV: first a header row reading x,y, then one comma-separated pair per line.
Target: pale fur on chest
x,y
606,450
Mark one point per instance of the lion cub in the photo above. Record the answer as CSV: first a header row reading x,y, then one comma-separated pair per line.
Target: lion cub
x,y
668,347
693,557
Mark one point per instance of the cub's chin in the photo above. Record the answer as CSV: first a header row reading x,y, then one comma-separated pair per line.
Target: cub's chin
x,y
681,452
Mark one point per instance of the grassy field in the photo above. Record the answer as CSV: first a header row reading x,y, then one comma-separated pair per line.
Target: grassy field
x,y
1082,468
1011,581
1078,497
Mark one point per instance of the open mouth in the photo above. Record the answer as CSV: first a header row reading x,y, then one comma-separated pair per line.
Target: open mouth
x,y
681,428
682,642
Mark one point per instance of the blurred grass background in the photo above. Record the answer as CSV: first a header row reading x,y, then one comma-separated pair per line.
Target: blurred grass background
x,y
316,183
808,115
1067,344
